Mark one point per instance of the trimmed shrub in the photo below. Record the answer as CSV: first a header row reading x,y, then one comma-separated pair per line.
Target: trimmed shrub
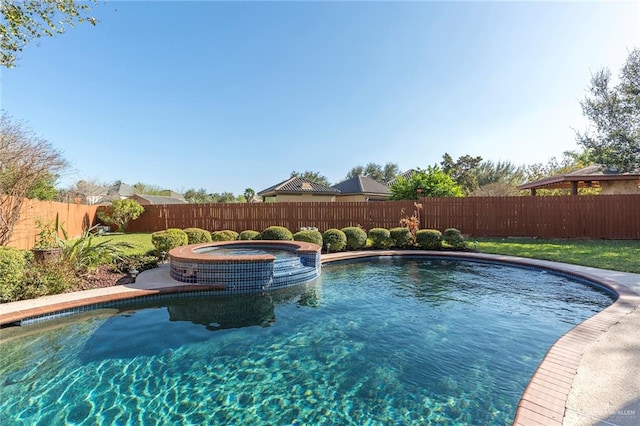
x,y
334,240
197,235
453,237
277,233
309,236
429,239
13,263
249,235
379,238
164,241
401,237
224,235
356,237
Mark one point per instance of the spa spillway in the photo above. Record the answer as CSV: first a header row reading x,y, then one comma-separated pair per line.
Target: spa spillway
x,y
236,267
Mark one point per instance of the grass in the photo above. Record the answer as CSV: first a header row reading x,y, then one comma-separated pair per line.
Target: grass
x,y
618,255
141,242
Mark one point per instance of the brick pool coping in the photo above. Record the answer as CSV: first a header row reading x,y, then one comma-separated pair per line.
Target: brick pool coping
x,y
190,253
544,399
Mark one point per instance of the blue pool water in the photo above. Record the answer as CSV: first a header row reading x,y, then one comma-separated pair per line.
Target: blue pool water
x,y
238,251
390,341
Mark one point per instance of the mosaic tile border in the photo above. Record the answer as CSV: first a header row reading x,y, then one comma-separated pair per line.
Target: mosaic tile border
x,y
246,273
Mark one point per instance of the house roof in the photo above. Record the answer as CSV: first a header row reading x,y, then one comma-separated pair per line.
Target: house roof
x,y
362,185
586,177
297,185
157,199
122,190
405,175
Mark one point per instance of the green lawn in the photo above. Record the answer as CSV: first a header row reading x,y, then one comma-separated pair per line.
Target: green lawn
x,y
619,255
141,242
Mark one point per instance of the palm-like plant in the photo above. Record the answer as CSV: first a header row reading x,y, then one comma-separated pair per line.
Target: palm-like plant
x,y
85,256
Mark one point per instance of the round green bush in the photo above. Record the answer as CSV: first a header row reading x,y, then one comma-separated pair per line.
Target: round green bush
x,y
13,263
334,240
277,233
165,240
356,237
429,239
249,235
224,235
453,237
47,278
401,237
379,238
197,235
309,236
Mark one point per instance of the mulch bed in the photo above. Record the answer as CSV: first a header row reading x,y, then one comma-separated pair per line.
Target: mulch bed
x,y
104,276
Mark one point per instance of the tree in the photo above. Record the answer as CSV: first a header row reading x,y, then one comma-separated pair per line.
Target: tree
x,y
201,196
376,172
614,113
44,188
498,179
462,171
432,182
570,161
225,197
489,172
91,191
25,20
312,176
197,196
26,161
120,212
145,188
249,193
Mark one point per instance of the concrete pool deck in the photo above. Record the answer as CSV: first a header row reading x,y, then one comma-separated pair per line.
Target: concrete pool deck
x,y
590,376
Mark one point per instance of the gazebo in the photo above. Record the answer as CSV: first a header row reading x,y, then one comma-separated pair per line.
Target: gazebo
x,y
596,176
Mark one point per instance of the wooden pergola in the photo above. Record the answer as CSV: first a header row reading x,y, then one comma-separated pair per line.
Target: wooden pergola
x,y
589,177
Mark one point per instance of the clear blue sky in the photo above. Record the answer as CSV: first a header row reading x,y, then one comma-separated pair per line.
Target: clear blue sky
x,y
230,95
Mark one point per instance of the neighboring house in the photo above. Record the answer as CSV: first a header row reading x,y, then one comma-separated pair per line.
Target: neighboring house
x,y
595,176
146,200
362,188
119,191
299,189
177,195
405,175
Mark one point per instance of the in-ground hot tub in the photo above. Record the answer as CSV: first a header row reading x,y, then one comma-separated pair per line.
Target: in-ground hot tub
x,y
246,266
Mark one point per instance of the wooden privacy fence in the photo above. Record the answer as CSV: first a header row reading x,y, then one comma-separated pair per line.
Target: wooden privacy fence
x,y
584,216
258,216
74,218
595,217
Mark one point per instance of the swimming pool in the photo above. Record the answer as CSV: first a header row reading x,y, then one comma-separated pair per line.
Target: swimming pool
x,y
386,341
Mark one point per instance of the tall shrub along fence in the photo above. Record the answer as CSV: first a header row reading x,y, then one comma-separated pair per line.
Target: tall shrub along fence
x,y
595,217
74,218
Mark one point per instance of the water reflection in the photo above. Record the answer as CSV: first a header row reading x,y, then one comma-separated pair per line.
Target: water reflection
x,y
114,338
217,313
